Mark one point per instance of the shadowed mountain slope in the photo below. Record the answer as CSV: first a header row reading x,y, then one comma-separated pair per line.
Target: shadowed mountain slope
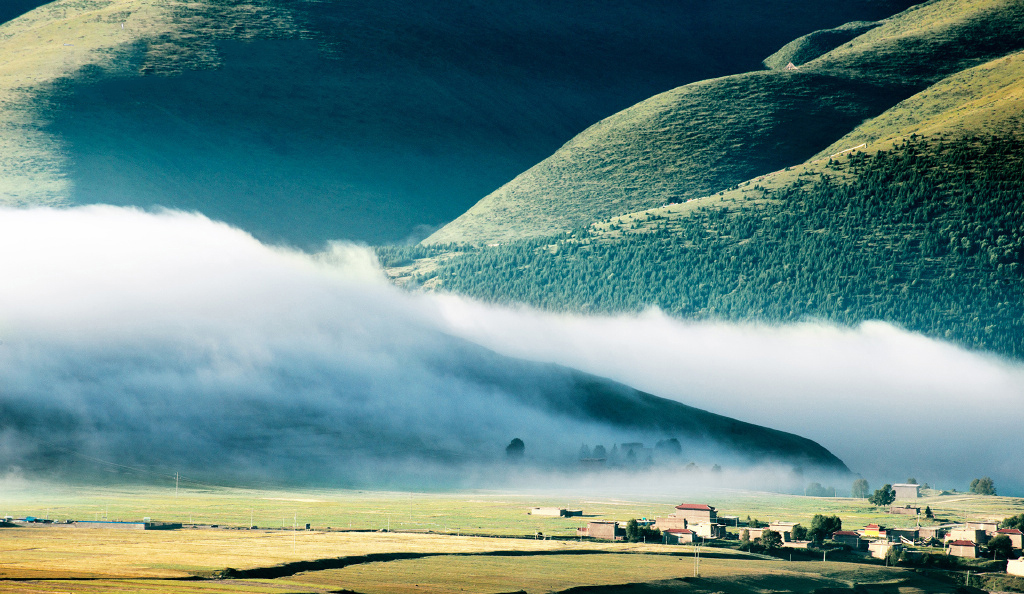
x,y
320,420
305,121
10,9
711,135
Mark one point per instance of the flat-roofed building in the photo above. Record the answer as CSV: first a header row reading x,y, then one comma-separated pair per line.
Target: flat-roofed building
x,y
708,530
880,548
990,528
1015,567
678,536
899,534
785,529
907,491
603,529
929,533
851,539
975,535
560,512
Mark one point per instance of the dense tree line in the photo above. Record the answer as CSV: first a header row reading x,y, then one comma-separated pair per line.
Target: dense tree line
x,y
928,235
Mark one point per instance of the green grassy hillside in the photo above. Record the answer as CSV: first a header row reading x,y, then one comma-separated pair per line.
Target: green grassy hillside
x,y
303,121
928,235
814,45
711,135
922,226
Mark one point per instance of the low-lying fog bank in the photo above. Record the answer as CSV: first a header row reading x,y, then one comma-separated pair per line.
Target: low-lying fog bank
x,y
167,341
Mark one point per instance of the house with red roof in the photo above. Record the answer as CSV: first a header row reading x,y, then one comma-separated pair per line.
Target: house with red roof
x,y
963,548
874,531
687,515
1016,536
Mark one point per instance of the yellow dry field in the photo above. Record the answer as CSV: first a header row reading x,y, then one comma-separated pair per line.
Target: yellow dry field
x,y
458,565
90,553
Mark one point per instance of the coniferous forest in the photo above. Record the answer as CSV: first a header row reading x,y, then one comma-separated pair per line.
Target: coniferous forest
x,y
927,235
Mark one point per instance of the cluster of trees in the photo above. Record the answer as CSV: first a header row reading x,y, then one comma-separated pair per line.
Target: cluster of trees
x,y
817,490
516,449
928,235
860,489
1013,522
983,486
883,497
821,530
637,532
666,451
768,542
823,526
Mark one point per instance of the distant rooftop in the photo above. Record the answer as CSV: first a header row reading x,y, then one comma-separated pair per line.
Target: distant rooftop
x,y
695,506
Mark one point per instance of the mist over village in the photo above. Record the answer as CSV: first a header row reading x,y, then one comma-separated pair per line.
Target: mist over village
x,y
635,296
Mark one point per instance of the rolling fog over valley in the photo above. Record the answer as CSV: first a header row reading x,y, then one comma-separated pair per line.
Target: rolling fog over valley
x,y
168,341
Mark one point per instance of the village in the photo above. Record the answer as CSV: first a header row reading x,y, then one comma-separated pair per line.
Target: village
x,y
700,524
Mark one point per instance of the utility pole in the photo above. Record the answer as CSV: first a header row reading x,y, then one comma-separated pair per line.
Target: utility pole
x,y
175,485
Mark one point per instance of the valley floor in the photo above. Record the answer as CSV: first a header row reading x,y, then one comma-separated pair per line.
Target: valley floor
x,y
473,541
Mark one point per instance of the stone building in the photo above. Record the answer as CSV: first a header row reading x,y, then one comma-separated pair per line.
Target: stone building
x,y
1016,537
963,548
687,515
907,491
603,529
678,536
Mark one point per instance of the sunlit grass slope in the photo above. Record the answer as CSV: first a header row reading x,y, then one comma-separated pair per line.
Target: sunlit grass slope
x,y
304,121
813,45
987,99
708,136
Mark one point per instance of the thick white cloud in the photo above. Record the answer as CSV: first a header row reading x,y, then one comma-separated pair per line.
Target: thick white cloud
x,y
892,404
169,339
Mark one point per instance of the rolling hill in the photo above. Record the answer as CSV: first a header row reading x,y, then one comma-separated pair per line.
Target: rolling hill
x,y
711,135
303,121
913,216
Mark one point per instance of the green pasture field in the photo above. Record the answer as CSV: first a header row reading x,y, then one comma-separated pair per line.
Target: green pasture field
x,y
457,541
489,513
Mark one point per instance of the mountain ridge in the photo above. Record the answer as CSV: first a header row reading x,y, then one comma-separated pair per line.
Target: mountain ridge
x,y
860,79
306,121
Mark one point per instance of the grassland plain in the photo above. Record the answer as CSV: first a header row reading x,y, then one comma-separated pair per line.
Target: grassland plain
x,y
441,560
711,135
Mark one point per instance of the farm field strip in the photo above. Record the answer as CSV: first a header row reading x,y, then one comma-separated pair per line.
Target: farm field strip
x,y
471,512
